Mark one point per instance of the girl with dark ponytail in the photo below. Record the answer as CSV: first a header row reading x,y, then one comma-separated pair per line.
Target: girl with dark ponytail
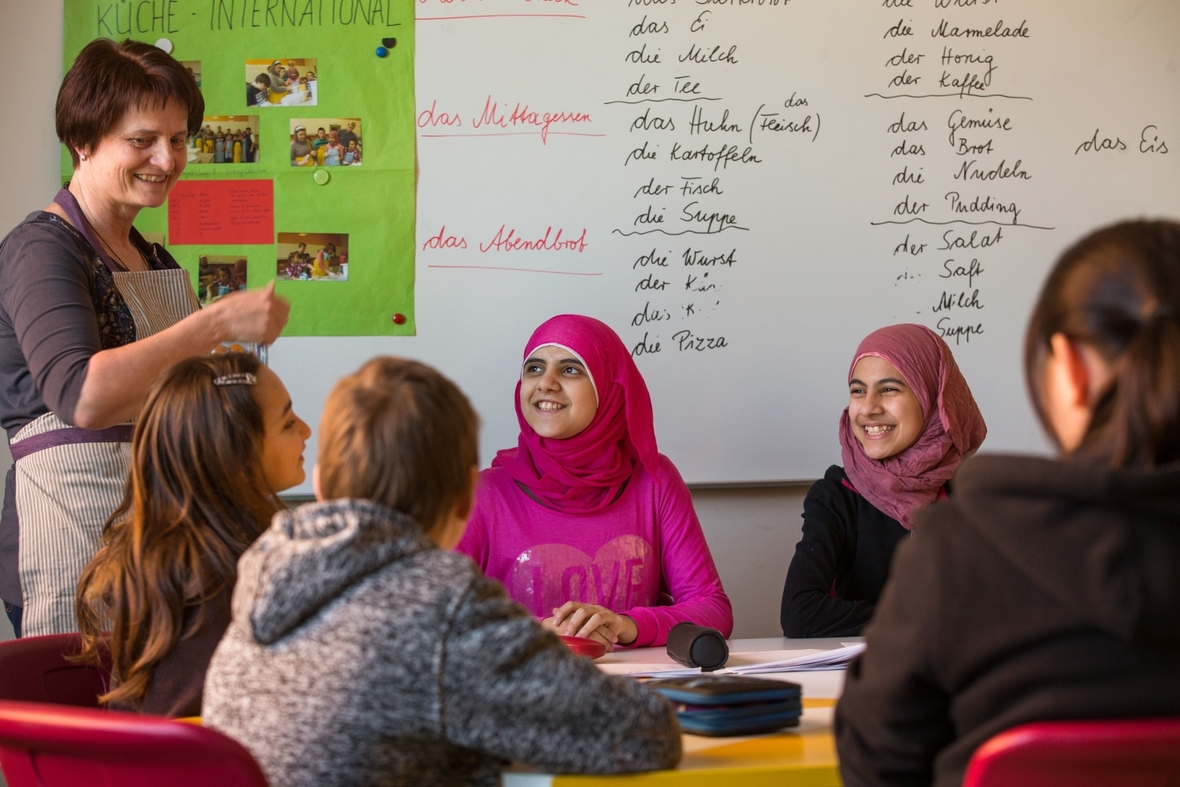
x,y
1110,317
215,443
1044,588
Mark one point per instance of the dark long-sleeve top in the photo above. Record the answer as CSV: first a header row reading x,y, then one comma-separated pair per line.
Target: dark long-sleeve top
x,y
840,564
58,307
1041,590
178,680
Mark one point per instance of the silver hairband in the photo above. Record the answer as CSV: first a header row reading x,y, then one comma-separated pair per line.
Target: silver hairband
x,y
238,378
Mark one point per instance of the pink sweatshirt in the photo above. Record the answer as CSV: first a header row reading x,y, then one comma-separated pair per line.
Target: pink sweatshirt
x,y
631,557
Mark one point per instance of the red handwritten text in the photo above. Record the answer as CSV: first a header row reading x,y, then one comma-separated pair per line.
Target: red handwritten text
x,y
521,115
431,118
506,240
444,241
451,2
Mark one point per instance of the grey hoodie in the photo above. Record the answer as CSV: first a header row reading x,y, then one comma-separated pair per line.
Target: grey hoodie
x,y
361,654
1040,590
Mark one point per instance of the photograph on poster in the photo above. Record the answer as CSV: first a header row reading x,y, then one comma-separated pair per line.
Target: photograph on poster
x,y
326,142
225,139
194,68
313,256
282,82
219,275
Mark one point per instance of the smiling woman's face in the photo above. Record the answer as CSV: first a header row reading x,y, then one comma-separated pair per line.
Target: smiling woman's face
x,y
557,395
885,414
138,163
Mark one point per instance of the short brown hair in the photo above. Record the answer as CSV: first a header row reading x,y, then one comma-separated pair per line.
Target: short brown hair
x,y
1118,291
107,79
399,433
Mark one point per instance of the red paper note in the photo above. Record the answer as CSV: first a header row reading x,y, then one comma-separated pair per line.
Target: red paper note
x,y
221,212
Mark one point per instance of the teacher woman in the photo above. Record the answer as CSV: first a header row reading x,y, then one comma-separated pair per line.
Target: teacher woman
x,y
90,313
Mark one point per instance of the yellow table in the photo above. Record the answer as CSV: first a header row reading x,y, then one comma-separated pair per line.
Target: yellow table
x,y
804,756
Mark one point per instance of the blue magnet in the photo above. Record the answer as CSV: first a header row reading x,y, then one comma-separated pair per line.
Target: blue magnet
x,y
382,51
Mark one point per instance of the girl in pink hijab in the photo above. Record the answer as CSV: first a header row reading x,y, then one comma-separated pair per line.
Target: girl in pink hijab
x,y
584,522
910,421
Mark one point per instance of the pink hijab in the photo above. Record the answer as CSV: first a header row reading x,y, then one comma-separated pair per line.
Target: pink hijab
x,y
953,430
584,473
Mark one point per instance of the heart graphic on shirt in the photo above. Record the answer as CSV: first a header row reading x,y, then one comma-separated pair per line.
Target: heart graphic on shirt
x,y
618,577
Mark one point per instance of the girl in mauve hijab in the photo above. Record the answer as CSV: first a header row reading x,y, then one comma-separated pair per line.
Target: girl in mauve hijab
x,y
910,421
584,522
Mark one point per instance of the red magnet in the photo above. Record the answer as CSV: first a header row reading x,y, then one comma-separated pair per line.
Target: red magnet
x,y
399,319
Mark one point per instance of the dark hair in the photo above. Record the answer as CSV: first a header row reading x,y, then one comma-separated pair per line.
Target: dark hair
x,y
1118,291
195,500
108,79
401,434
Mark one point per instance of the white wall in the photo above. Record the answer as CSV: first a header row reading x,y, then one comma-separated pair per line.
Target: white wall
x,y
30,53
752,534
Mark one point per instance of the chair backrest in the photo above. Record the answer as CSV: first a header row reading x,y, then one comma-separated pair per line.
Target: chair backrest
x,y
38,669
1107,753
54,746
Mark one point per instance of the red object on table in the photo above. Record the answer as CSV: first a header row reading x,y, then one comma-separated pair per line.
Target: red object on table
x,y
590,648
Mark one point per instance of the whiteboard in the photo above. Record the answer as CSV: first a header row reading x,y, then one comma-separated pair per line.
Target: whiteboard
x,y
802,155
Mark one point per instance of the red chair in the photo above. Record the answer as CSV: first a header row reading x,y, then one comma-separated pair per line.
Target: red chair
x,y
1108,753
55,746
38,669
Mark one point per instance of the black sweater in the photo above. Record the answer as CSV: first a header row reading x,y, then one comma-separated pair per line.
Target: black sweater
x,y
846,546
179,678
1041,590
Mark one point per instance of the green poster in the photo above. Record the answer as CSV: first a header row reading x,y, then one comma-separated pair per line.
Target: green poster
x,y
310,99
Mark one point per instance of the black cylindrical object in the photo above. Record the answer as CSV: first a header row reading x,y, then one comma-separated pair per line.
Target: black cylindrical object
x,y
698,646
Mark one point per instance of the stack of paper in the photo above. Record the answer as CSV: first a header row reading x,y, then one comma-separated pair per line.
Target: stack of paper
x,y
810,662
649,670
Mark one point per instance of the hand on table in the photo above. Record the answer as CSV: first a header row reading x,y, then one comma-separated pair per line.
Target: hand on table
x,y
253,316
577,619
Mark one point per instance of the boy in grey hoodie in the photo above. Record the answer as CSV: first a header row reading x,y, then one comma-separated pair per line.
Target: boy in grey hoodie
x,y
364,652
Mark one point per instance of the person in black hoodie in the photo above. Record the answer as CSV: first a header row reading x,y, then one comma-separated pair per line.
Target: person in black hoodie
x,y
1044,589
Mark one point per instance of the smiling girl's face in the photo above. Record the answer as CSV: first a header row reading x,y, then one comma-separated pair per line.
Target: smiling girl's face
x,y
557,395
885,414
286,434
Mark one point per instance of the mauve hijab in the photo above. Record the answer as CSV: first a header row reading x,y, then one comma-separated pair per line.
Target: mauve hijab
x,y
584,473
901,484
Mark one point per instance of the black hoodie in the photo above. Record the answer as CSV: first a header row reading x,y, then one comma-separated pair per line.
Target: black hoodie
x,y
1041,590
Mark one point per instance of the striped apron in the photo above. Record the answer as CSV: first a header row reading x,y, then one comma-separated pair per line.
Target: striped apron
x,y
70,480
